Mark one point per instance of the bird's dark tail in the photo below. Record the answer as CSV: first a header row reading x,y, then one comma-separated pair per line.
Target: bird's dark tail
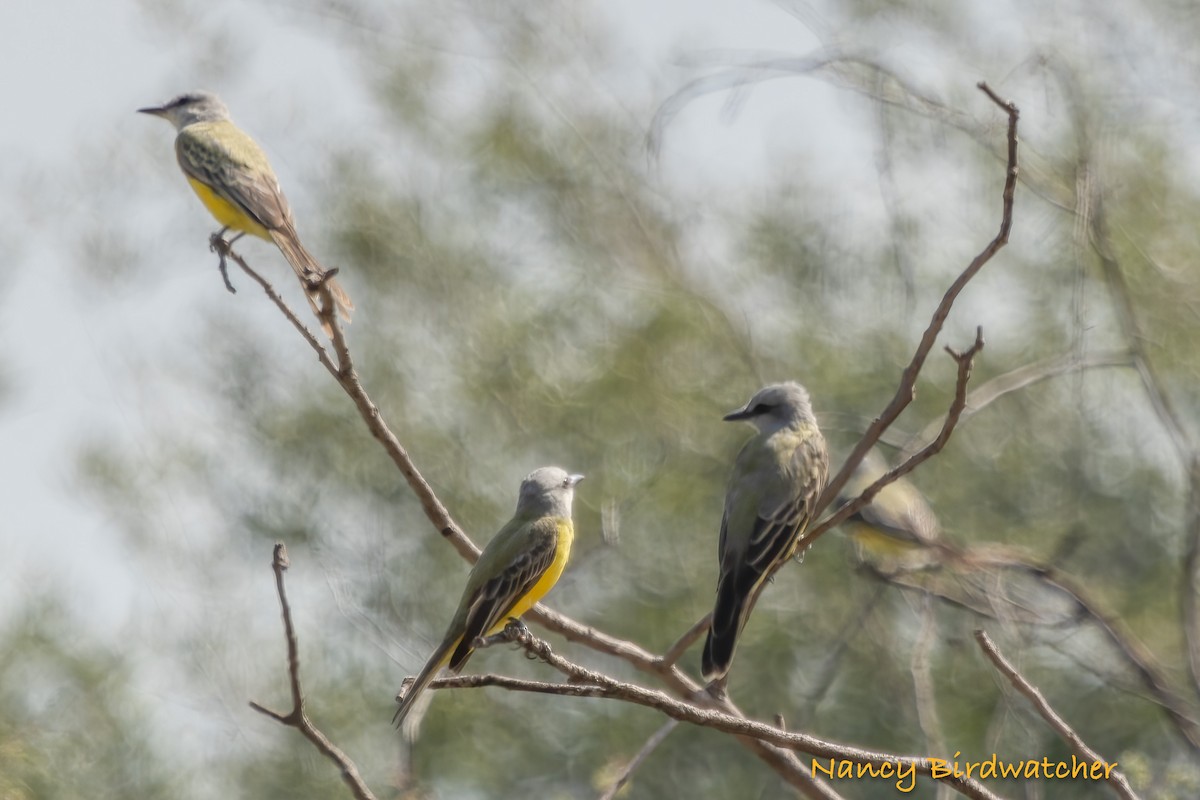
x,y
735,591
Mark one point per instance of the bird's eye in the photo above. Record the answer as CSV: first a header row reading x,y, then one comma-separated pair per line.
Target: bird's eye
x,y
760,408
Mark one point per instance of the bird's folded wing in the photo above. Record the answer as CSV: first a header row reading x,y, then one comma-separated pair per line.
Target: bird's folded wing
x,y
497,596
234,176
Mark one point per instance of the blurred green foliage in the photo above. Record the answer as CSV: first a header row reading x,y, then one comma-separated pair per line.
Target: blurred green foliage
x,y
536,294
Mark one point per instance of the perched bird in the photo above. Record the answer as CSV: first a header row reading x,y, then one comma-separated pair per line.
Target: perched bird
x,y
231,175
898,536
897,526
516,569
775,483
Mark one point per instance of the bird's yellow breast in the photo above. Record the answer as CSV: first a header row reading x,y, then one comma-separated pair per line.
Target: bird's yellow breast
x,y
226,212
562,552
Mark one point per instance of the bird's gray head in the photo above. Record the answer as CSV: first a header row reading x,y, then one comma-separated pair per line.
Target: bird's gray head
x,y
547,491
776,406
189,108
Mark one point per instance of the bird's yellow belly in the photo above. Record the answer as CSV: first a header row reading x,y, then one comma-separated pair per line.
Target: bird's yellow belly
x,y
566,534
227,213
876,542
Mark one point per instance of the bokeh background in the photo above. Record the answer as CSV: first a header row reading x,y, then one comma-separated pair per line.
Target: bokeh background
x,y
559,258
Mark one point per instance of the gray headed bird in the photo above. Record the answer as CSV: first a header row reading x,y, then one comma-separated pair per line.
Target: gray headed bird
x,y
231,175
776,480
519,565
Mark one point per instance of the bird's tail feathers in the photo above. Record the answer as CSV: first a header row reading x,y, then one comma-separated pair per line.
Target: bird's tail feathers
x,y
423,679
735,593
310,272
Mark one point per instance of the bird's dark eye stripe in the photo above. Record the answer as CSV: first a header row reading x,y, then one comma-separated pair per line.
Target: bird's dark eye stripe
x,y
760,408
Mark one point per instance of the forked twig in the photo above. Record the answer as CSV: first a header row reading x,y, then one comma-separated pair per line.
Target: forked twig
x,y
296,718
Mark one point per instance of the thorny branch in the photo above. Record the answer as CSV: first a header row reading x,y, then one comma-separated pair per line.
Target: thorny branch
x,y
1115,777
296,718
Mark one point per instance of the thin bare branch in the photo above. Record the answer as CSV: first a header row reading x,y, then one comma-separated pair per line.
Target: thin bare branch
x,y
347,378
785,763
224,249
296,718
676,651
657,738
1113,775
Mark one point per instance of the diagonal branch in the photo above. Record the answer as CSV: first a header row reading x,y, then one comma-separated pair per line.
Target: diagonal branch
x,y
347,377
657,738
1139,658
908,380
965,361
1114,776
296,718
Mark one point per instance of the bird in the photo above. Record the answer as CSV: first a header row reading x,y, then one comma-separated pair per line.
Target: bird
x,y
520,564
897,526
232,177
773,489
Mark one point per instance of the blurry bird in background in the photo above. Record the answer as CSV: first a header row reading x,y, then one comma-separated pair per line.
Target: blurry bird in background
x,y
898,537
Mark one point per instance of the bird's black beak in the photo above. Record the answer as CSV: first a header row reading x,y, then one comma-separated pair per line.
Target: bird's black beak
x,y
154,110
741,413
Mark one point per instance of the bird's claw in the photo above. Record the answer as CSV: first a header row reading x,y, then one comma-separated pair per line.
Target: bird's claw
x,y
218,245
